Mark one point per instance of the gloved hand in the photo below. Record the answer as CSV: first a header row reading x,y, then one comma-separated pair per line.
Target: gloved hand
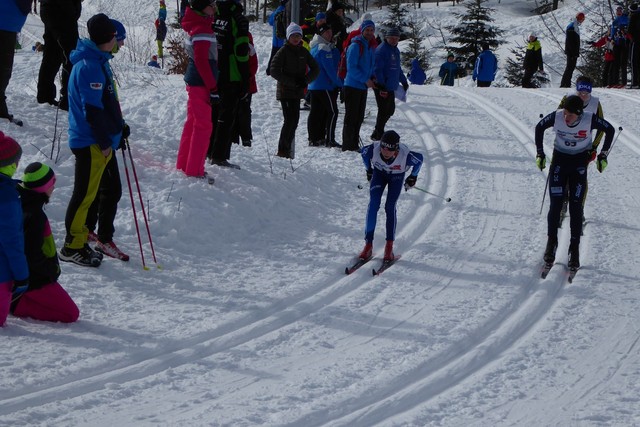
x,y
541,161
410,182
592,155
126,131
19,288
214,98
601,163
123,144
369,174
405,86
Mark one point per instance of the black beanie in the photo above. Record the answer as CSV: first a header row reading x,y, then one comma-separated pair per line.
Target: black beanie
x,y
390,140
101,29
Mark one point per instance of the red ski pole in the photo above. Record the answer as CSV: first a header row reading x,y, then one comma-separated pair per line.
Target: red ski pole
x,y
133,208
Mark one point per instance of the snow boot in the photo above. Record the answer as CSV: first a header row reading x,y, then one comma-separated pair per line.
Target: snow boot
x,y
110,249
550,251
388,251
574,255
82,256
367,252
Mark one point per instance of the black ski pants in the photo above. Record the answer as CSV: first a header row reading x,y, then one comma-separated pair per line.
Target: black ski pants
x,y
568,71
105,206
567,170
355,104
291,113
323,116
223,117
7,50
242,123
619,68
386,109
60,38
635,63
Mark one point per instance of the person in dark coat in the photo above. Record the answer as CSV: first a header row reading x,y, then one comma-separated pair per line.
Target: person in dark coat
x,y
634,52
60,18
14,14
532,61
572,48
335,19
448,71
289,67
618,36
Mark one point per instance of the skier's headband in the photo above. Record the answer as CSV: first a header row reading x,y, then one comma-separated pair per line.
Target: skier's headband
x,y
583,87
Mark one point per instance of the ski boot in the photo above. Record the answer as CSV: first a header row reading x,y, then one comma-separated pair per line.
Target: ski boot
x,y
574,255
550,251
388,251
367,252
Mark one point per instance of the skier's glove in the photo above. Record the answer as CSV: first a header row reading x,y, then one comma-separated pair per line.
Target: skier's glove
x,y
126,131
123,144
214,98
601,163
410,182
19,288
369,174
541,161
592,155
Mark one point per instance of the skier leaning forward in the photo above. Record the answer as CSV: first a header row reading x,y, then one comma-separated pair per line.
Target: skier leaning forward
x,y
571,156
386,162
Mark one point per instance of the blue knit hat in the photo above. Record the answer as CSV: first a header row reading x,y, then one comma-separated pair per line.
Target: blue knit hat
x,y
367,23
321,15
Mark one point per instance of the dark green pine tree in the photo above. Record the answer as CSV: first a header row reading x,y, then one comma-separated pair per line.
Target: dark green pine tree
x,y
473,29
397,16
514,71
414,49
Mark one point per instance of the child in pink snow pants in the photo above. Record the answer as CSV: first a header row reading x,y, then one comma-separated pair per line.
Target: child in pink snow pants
x,y
202,88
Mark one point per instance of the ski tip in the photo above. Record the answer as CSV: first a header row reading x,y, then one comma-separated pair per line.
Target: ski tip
x,y
374,272
346,270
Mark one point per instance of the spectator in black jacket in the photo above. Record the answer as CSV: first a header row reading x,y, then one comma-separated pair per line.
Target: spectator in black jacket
x,y
60,18
335,19
532,61
572,48
634,34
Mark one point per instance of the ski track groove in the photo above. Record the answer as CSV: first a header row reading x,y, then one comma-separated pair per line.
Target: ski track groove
x,y
457,363
138,365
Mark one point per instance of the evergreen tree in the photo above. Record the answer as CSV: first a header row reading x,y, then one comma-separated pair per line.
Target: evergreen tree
x,y
514,70
473,29
397,17
414,49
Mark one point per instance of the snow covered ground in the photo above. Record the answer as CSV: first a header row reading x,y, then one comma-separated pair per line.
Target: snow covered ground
x,y
251,320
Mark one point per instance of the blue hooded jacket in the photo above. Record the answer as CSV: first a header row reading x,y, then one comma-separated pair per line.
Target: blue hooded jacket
x,y
94,110
13,262
417,76
275,41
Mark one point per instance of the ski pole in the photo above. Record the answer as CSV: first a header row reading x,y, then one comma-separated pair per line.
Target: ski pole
x,y
614,141
144,213
544,195
133,208
446,199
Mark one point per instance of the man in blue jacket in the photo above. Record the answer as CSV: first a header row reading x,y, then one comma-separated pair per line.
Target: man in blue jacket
x,y
360,77
486,67
389,75
14,14
618,35
96,128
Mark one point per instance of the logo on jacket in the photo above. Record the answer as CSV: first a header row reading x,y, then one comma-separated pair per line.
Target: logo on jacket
x,y
95,86
582,134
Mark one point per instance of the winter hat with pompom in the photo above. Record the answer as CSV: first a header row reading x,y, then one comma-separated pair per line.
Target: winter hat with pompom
x,y
38,177
10,150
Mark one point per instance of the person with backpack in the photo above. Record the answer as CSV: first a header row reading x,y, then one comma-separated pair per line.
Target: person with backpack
x,y
532,61
389,76
360,59
161,28
202,87
232,35
448,71
277,20
293,67
572,48
486,67
386,163
571,154
321,123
